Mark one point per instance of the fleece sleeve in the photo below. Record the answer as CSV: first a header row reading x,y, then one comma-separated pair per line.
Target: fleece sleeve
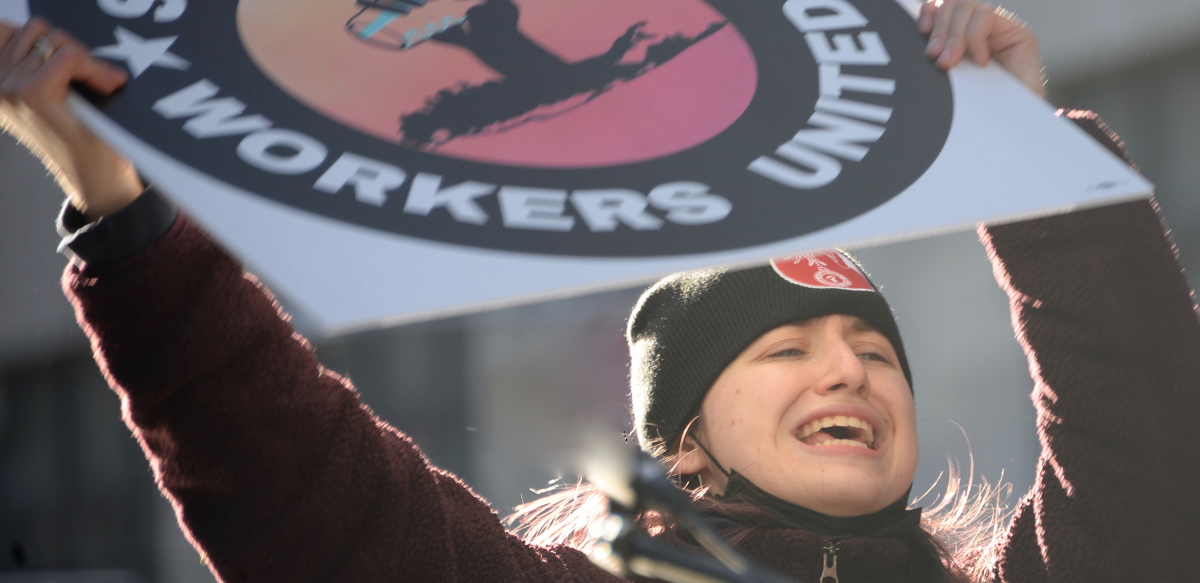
x,y
1108,324
277,472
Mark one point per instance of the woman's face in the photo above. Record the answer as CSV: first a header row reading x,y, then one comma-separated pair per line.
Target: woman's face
x,y
817,413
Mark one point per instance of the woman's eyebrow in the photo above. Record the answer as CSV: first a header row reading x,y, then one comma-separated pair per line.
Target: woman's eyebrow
x,y
861,325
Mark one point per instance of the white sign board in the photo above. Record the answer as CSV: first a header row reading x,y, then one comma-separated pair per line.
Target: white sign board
x,y
377,161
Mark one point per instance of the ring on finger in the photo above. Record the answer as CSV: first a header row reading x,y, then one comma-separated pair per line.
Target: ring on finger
x,y
43,48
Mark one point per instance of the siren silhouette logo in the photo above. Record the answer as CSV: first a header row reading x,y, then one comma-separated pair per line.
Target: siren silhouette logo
x,y
618,128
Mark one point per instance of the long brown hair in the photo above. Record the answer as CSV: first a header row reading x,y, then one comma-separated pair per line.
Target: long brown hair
x,y
957,541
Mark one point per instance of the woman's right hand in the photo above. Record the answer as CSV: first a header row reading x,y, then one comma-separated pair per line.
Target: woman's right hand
x,y
34,84
958,28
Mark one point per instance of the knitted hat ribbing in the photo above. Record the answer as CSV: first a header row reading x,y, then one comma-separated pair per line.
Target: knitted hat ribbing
x,y
689,326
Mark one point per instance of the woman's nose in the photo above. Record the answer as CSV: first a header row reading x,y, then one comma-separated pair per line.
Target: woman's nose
x,y
844,370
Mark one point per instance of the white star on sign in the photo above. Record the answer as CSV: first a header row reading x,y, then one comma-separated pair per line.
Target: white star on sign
x,y
141,54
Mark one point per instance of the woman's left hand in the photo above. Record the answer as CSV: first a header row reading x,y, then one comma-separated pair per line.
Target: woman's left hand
x,y
960,27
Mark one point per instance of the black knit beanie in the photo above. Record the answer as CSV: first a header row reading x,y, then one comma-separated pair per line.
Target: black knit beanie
x,y
689,326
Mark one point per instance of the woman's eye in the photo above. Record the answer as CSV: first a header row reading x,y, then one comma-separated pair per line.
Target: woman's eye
x,y
786,352
873,356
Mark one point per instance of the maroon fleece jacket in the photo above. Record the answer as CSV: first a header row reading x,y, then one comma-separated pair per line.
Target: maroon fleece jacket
x,y
279,472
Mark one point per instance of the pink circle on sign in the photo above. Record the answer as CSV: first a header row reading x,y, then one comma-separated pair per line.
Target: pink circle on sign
x,y
602,82
822,269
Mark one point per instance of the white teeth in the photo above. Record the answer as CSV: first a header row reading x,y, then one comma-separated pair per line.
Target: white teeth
x,y
850,442
839,421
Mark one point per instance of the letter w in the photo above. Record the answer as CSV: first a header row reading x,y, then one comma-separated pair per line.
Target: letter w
x,y
210,118
841,137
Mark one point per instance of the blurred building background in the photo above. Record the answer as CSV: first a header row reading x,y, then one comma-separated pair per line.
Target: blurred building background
x,y
493,396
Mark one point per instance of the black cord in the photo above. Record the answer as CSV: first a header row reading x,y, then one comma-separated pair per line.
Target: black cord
x,y
728,474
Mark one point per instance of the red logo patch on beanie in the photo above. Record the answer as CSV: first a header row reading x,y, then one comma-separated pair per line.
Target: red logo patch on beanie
x,y
822,269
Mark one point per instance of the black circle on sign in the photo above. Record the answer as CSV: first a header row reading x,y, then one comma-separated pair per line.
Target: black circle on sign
x,y
763,211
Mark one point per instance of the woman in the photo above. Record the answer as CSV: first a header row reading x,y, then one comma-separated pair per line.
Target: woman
x,y
278,472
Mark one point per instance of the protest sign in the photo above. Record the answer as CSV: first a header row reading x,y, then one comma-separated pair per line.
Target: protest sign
x,y
384,160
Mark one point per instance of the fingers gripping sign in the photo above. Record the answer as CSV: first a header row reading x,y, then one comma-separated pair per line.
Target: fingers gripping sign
x,y
38,65
959,28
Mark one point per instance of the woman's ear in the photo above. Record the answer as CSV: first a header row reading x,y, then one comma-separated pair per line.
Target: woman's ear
x,y
691,459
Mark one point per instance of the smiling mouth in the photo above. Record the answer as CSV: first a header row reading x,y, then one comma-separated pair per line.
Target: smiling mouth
x,y
837,430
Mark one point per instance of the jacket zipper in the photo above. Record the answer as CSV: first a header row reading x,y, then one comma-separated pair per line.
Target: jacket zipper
x,y
829,563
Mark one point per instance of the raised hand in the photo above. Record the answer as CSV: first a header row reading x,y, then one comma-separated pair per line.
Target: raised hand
x,y
958,28
38,64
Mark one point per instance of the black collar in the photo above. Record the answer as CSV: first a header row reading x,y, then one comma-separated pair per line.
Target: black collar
x,y
894,520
